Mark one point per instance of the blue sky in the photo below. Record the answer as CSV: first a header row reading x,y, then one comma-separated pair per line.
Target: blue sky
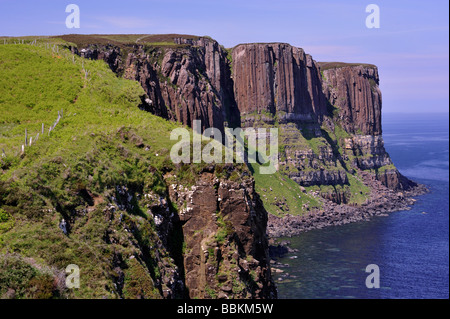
x,y
411,47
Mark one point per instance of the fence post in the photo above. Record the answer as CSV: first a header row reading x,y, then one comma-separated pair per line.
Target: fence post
x,y
26,137
42,128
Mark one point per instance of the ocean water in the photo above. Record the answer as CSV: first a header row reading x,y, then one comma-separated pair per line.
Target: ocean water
x,y
410,248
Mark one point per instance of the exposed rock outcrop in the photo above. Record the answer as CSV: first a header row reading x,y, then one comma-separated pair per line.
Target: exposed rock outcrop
x,y
328,113
224,226
354,91
278,79
354,99
185,82
109,53
382,201
369,151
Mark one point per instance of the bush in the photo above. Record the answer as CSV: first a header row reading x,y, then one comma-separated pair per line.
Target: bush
x,y
15,276
138,283
41,287
6,221
20,278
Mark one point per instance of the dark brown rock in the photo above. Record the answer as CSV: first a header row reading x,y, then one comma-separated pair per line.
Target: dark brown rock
x,y
183,83
224,225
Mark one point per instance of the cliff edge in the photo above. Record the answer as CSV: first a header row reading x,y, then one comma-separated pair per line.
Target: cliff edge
x,y
165,230
328,113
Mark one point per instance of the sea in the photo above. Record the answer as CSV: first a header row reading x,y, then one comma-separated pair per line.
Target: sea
x,y
400,256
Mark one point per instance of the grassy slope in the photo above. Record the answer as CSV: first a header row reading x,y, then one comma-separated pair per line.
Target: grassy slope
x,y
281,195
37,83
103,140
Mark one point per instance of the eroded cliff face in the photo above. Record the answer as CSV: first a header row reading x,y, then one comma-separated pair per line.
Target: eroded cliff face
x,y
185,83
214,243
354,99
224,226
269,84
277,79
354,91
330,134
189,80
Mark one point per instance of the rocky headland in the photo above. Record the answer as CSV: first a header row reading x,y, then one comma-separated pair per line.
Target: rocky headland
x,y
328,113
330,144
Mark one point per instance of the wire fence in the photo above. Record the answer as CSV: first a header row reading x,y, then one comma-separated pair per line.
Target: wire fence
x,y
62,51
32,141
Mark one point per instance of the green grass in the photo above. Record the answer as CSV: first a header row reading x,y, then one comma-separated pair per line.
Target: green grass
x,y
337,136
138,282
301,137
355,192
385,168
102,141
99,105
359,192
230,59
225,229
162,44
22,278
6,221
280,194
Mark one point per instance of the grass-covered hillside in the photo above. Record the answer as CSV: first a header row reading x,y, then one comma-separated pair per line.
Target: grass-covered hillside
x,y
82,168
103,150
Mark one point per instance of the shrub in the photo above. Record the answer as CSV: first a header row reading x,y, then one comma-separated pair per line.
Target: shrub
x,y
138,283
20,279
6,221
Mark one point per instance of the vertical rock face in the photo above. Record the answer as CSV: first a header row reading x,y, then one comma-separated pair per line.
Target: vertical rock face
x,y
369,151
224,225
186,83
108,53
369,154
278,79
270,83
354,91
355,100
329,120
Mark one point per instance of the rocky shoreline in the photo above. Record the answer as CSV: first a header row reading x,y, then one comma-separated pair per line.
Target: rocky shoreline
x,y
382,202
